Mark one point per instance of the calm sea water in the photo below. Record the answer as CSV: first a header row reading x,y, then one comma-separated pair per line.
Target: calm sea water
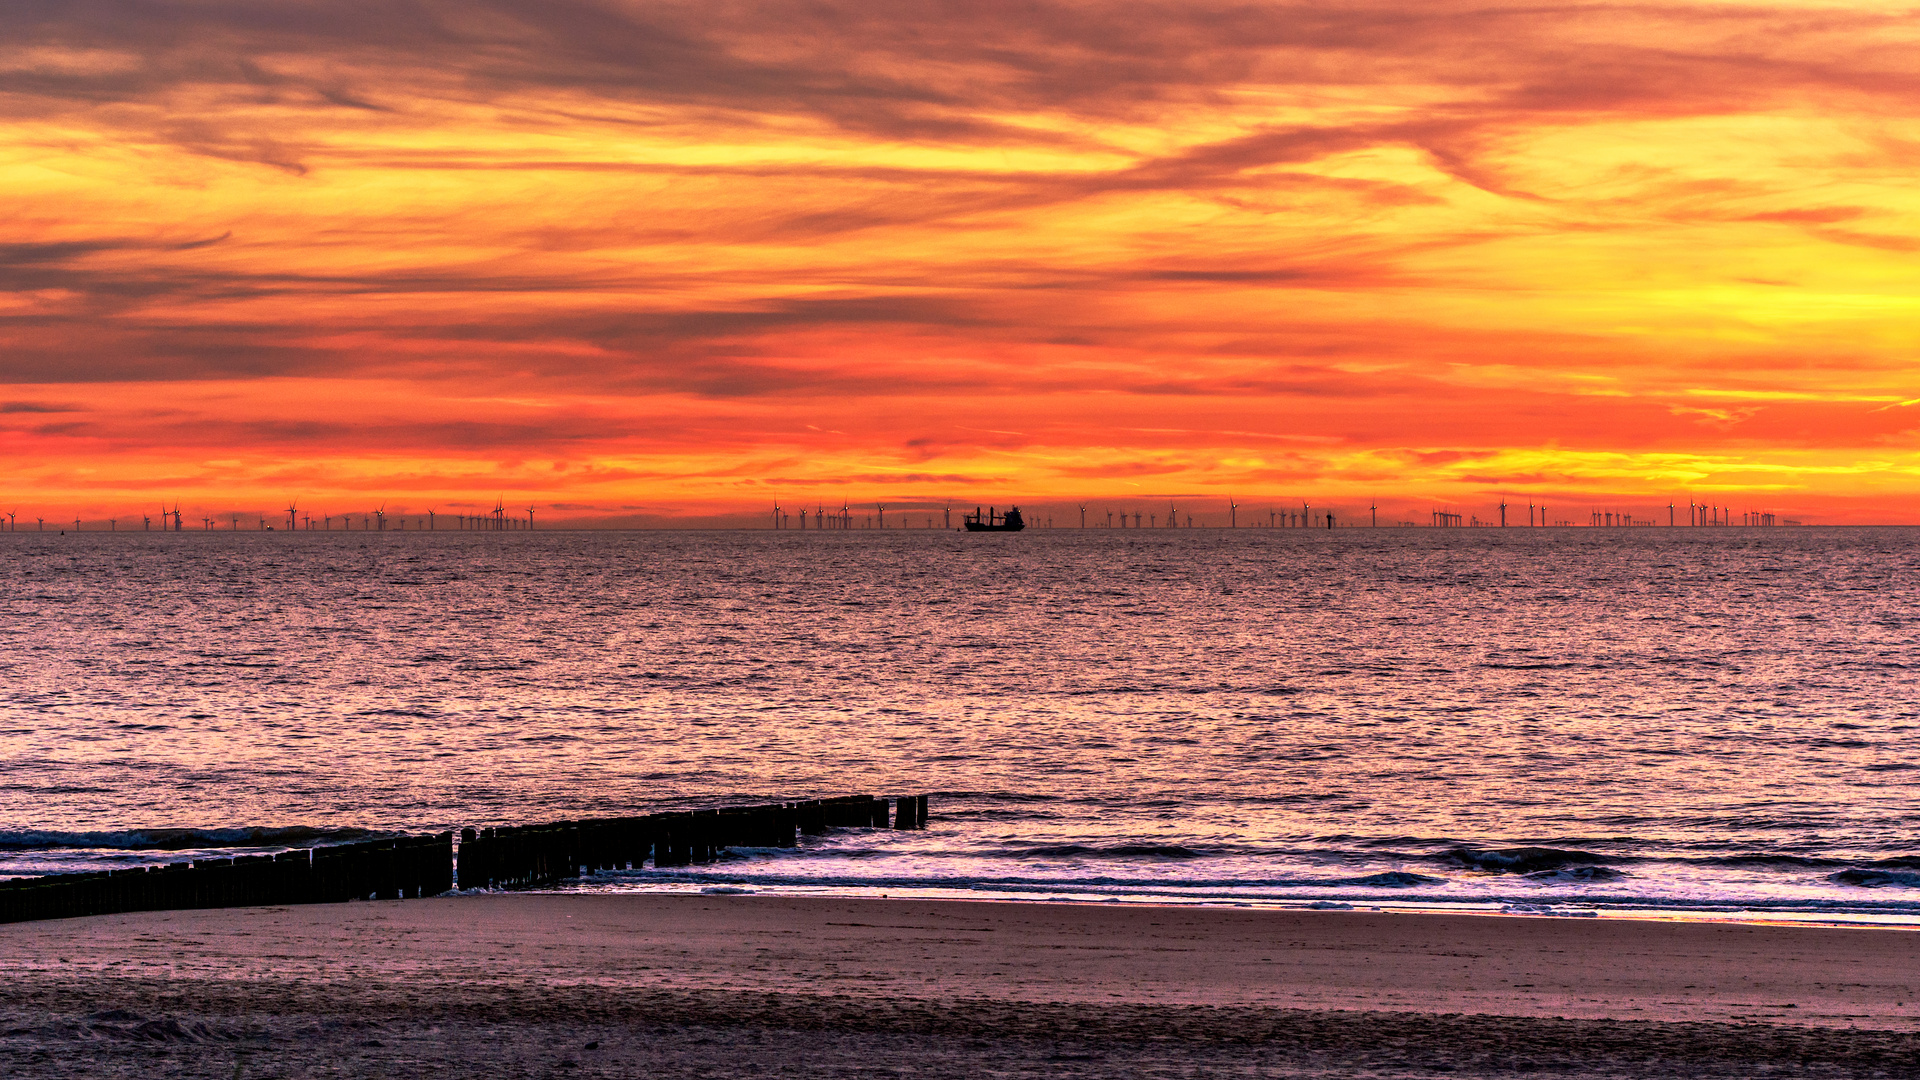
x,y
1694,720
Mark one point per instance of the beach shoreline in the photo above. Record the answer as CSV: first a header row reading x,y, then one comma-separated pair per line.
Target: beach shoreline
x,y
1211,987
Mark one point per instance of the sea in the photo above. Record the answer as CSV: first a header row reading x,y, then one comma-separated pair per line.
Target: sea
x,y
1666,722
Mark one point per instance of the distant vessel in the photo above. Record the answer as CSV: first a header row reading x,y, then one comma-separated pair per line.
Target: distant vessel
x,y
990,521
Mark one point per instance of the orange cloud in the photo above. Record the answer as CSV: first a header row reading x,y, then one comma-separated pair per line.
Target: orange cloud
x,y
606,255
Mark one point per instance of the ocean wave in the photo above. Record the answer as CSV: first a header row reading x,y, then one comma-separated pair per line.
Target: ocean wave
x,y
1549,909
180,839
1283,892
1868,878
1805,862
1116,851
1520,860
1392,879
1576,875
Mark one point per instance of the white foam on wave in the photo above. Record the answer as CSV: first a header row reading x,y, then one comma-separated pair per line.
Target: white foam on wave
x,y
1549,909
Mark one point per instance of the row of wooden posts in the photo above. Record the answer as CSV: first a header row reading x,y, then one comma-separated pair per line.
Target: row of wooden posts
x,y
404,867
534,855
387,869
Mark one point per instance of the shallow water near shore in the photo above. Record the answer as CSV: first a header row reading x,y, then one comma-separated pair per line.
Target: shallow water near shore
x,y
1684,721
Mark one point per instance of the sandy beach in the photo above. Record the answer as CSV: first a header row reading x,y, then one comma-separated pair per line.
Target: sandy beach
x,y
759,985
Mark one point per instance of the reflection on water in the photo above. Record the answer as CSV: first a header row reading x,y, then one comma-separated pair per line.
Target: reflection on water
x,y
1675,716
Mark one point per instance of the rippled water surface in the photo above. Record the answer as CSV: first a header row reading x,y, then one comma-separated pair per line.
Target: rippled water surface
x,y
1679,718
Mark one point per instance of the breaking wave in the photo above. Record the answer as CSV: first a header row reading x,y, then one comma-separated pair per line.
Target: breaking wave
x,y
1877,879
1520,860
1576,875
1393,879
1117,851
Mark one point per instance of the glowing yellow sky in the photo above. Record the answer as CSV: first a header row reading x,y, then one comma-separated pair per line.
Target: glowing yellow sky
x,y
645,262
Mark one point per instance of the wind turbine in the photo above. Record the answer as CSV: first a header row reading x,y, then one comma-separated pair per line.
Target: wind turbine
x,y
529,519
1374,509
1233,513
1083,515
776,513
1173,516
293,520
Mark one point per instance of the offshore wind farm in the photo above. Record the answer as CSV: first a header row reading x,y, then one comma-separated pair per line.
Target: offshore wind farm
x,y
912,514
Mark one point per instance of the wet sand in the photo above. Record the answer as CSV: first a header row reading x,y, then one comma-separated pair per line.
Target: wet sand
x,y
756,985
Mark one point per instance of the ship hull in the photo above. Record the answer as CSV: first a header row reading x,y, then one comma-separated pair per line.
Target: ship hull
x,y
975,526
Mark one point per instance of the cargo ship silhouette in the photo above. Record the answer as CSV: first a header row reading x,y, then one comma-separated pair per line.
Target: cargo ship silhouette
x,y
990,521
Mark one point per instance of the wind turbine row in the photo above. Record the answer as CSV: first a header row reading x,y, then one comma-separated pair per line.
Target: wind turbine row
x,y
375,520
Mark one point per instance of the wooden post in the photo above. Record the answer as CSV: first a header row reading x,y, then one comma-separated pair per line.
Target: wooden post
x,y
468,860
295,871
813,819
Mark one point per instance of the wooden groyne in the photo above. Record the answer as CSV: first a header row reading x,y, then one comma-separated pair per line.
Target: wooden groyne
x,y
391,868
407,867
531,856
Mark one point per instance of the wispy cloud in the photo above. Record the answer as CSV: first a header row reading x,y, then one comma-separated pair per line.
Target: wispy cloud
x,y
816,243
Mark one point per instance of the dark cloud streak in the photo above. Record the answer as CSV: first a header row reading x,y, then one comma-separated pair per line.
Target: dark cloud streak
x,y
865,68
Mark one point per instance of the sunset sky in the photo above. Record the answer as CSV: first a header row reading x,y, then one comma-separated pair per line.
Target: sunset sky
x,y
668,262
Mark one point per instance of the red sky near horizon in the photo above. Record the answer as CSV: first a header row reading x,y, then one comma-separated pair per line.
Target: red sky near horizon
x,y
672,261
